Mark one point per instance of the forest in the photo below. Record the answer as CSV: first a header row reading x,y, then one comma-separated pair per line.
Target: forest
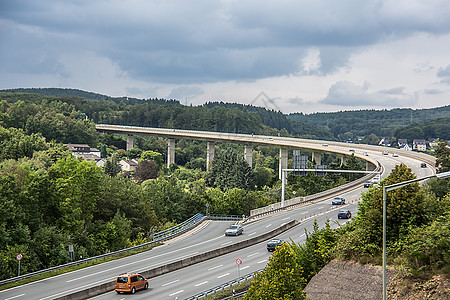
x,y
50,199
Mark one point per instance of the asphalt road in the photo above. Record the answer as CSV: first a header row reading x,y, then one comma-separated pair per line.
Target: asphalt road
x,y
189,281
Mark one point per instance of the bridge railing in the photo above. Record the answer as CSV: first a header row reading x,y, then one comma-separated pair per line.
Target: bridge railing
x,y
227,288
178,229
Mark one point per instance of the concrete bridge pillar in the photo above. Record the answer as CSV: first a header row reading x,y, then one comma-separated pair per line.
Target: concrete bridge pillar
x,y
343,159
248,154
170,152
316,156
283,164
130,141
209,154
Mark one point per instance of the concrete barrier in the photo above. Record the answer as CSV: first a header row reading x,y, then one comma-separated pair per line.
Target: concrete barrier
x,y
108,287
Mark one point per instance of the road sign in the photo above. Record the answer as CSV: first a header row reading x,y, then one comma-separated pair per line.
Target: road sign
x,y
19,256
238,261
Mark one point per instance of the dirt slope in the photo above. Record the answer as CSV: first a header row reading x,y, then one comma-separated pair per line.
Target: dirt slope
x,y
350,280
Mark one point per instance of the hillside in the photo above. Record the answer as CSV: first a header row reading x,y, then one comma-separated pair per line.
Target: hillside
x,y
353,125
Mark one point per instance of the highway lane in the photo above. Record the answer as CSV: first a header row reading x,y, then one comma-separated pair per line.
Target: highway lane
x,y
210,237
195,279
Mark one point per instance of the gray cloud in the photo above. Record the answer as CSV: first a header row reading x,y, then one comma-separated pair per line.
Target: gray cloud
x,y
207,41
183,93
348,94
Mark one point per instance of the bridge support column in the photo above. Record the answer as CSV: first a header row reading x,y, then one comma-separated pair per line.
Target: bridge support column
x,y
370,166
343,159
209,154
170,152
283,164
248,154
316,156
130,141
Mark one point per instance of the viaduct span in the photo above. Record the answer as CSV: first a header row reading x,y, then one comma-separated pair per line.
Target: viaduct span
x,y
317,147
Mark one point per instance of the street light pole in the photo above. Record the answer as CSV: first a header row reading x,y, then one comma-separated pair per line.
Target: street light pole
x,y
392,187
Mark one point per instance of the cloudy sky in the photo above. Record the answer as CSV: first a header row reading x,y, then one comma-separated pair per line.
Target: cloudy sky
x,y
289,55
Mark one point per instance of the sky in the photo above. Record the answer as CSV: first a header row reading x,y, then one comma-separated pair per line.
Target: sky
x,y
289,55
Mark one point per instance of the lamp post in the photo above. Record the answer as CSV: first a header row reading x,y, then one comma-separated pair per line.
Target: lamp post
x,y
392,187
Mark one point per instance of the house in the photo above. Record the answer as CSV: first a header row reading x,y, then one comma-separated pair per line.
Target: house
x,y
128,164
420,145
402,142
384,142
84,151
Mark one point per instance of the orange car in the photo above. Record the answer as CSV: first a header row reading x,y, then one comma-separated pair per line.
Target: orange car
x,y
130,283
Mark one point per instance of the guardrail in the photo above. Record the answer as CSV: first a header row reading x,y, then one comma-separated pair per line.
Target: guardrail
x,y
227,286
157,237
226,217
186,262
276,207
178,229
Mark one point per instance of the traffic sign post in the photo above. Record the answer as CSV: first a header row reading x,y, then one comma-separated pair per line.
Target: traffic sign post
x,y
19,258
238,262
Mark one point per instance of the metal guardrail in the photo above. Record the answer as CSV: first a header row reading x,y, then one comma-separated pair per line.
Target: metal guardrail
x,y
220,289
226,217
177,229
157,237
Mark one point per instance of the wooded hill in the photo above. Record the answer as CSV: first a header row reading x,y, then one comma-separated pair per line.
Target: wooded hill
x,y
367,126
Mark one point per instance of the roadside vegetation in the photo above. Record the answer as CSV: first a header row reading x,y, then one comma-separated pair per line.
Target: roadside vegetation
x,y
418,235
50,199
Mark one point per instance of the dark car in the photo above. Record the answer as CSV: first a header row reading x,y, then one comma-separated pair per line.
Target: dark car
x,y
368,184
423,165
272,244
338,201
344,214
234,230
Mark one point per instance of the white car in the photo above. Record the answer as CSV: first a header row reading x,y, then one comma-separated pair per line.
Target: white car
x,y
236,229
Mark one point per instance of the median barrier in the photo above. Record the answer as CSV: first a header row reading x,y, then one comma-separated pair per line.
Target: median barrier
x,y
107,287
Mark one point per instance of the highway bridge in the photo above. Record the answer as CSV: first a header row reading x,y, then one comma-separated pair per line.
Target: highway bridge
x,y
209,236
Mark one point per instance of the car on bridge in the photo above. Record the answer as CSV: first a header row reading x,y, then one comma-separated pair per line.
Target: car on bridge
x,y
344,214
273,244
130,283
236,229
423,165
338,201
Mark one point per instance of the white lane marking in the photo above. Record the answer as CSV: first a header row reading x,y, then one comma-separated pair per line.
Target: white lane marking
x,y
78,288
320,207
88,275
171,282
303,213
286,218
201,283
243,268
252,233
145,259
176,293
262,261
15,297
250,255
302,235
215,267
223,275
269,225
226,243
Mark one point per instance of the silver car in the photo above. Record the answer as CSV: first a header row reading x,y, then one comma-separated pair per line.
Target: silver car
x,y
234,230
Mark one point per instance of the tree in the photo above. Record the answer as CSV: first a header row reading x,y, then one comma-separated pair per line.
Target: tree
x,y
112,166
103,152
151,155
281,279
443,158
146,169
230,170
